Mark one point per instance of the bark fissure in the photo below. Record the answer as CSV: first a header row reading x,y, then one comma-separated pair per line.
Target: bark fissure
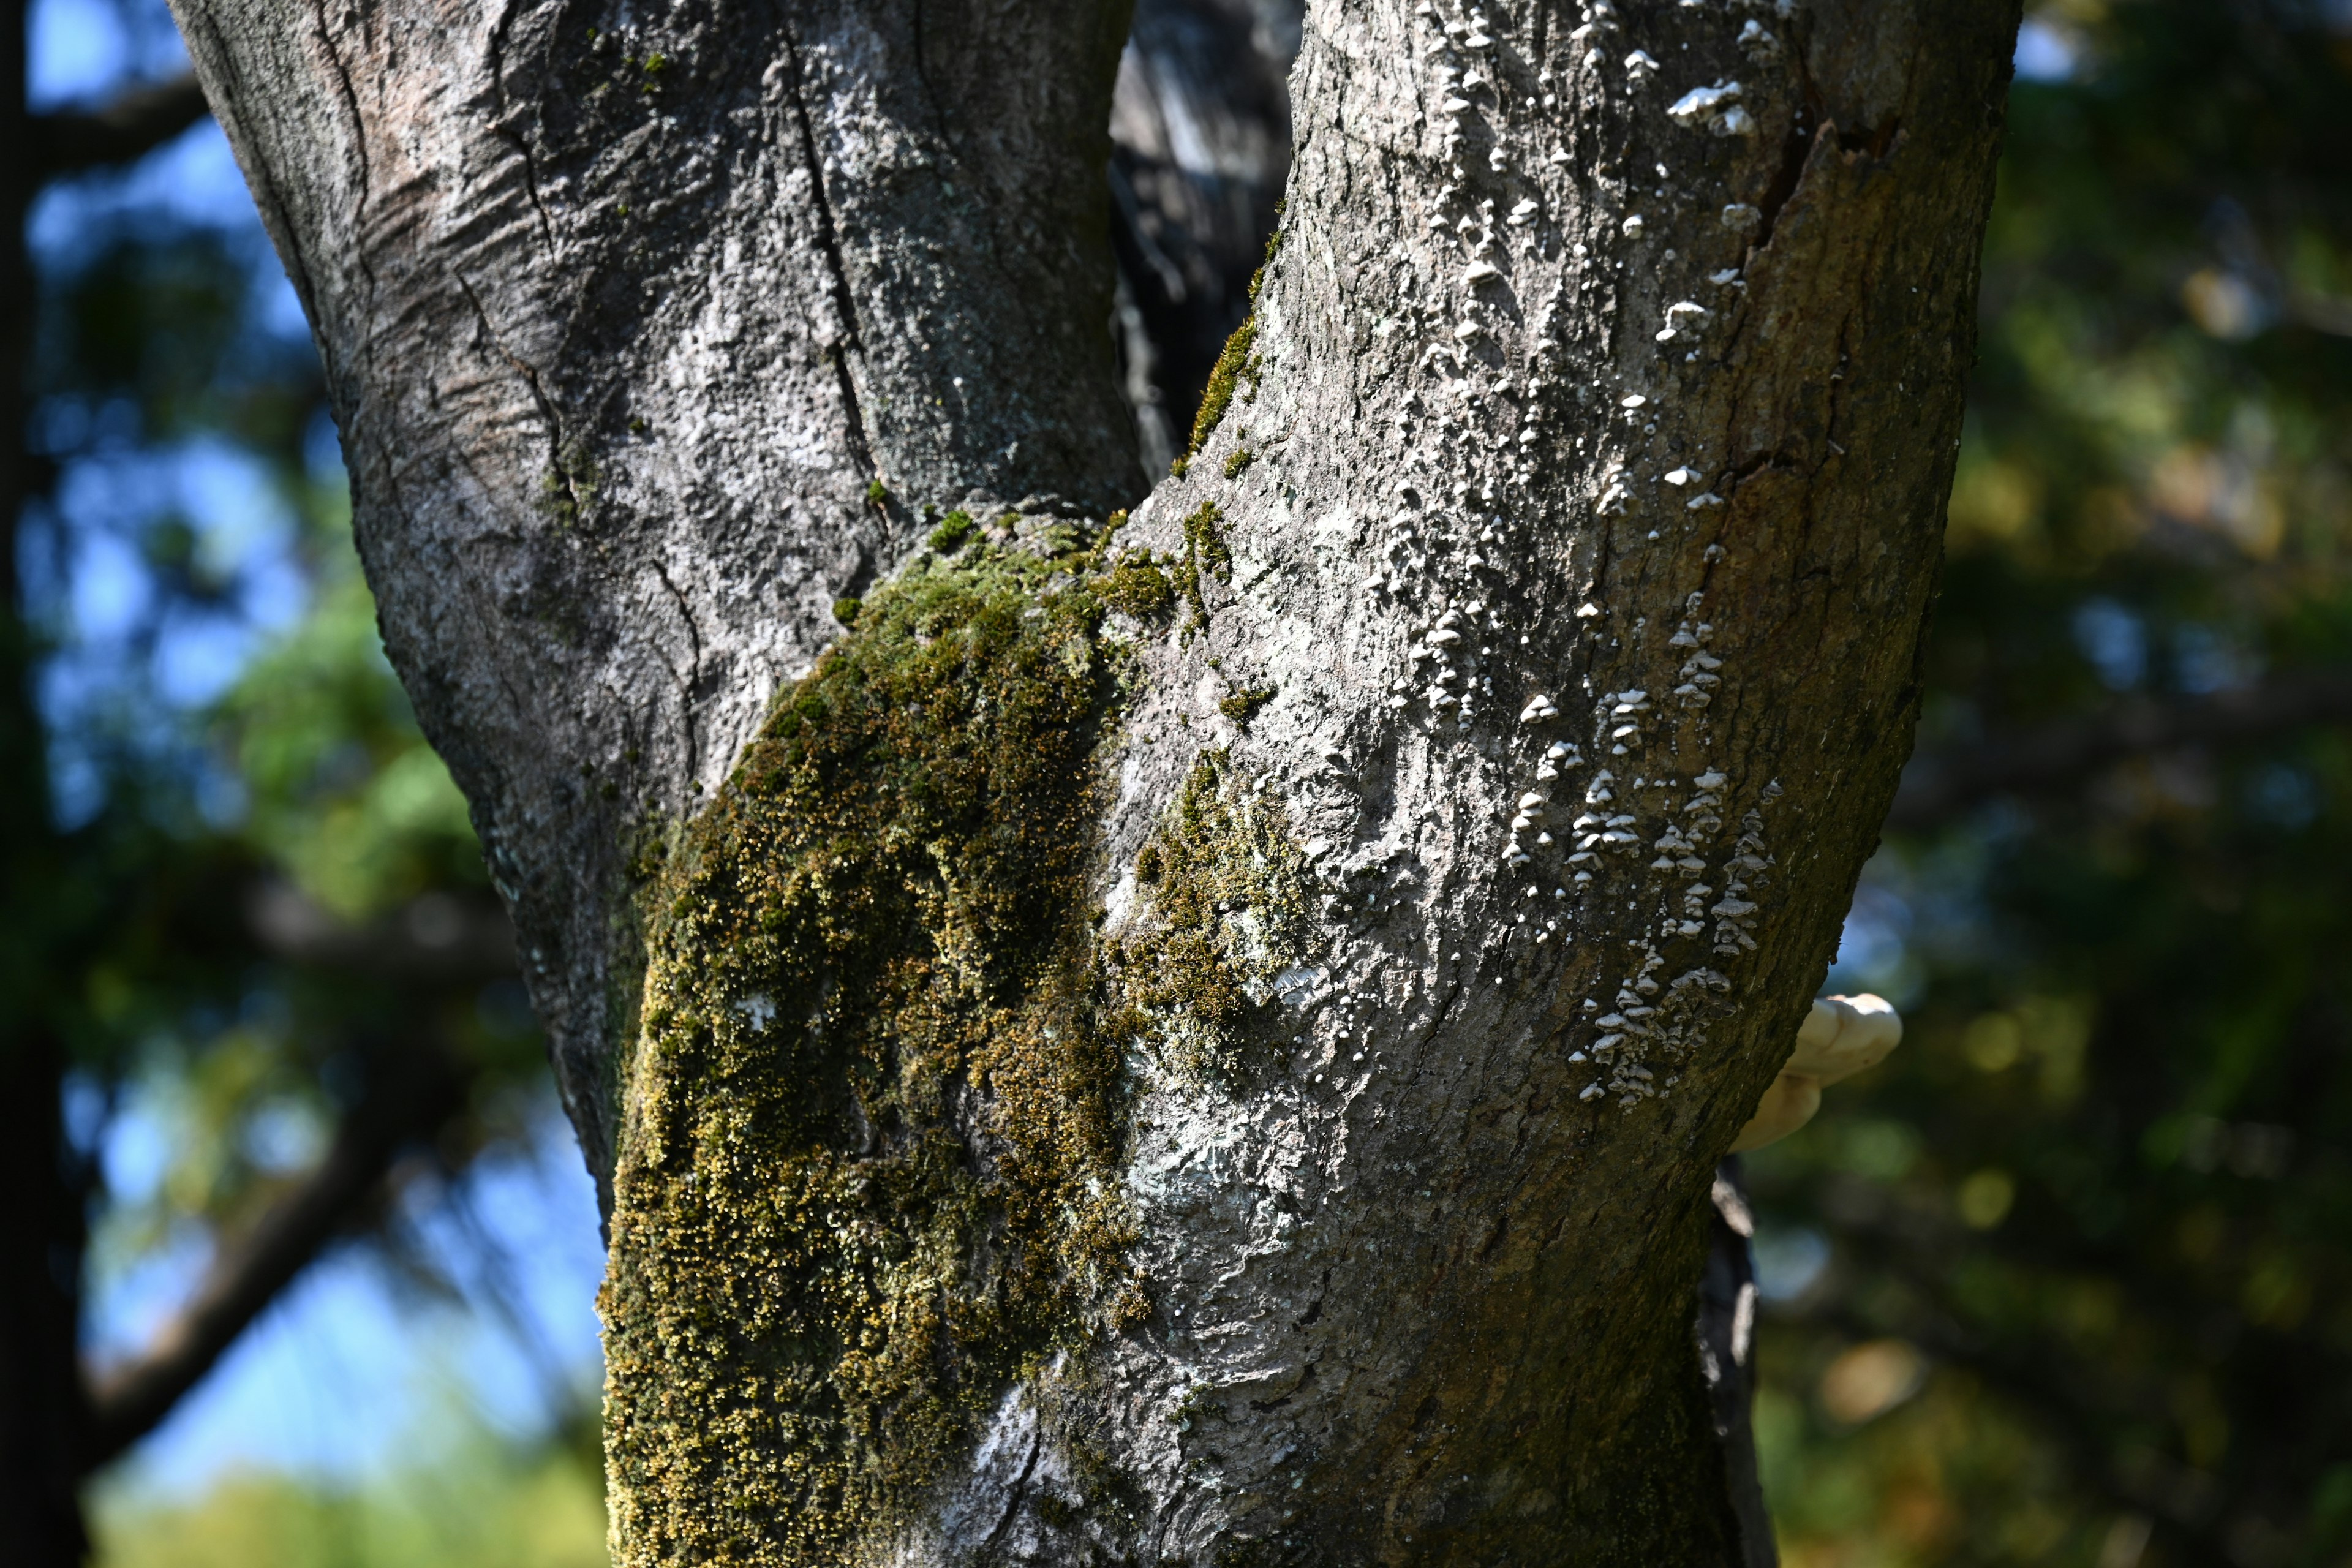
x,y
518,139
357,126
844,303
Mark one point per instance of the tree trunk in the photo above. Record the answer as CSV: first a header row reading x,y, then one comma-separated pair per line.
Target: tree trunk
x,y
1205,1039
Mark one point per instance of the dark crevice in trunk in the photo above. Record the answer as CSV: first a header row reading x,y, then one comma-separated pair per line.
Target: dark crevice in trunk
x,y
1727,1344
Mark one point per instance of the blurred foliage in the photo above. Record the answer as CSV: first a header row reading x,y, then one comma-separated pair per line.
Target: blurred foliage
x,y
263,913
471,1499
2087,1296
341,792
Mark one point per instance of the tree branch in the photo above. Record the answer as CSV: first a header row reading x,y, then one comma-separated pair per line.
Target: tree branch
x,y
130,1399
438,939
136,122
1939,785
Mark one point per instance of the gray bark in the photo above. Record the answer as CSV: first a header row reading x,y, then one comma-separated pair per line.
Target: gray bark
x,y
1600,426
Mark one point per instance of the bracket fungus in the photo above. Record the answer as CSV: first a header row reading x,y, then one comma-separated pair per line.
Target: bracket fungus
x,y
1842,1037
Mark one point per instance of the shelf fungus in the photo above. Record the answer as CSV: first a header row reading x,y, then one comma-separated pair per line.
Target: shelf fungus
x,y
1842,1037
1716,108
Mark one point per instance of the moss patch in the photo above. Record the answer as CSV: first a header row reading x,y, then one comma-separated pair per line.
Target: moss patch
x,y
1237,360
1137,585
1204,550
1228,889
1241,706
875,1118
953,531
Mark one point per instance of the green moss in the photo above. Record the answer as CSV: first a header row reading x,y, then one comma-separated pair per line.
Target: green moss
x,y
1138,585
1239,706
876,1112
1238,359
953,531
846,611
567,489
1205,549
877,1106
1227,888
1241,459
877,494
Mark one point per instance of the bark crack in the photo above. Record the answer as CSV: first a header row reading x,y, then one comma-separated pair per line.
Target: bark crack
x,y
845,302
530,374
1015,1495
349,95
521,142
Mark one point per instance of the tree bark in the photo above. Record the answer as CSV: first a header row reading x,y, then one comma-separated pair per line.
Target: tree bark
x,y
1201,1040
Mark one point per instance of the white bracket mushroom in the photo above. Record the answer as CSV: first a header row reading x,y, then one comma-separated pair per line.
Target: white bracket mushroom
x,y
1842,1037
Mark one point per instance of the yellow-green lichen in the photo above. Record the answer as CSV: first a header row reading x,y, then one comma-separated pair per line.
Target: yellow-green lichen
x,y
1205,549
1228,889
874,1117
1237,359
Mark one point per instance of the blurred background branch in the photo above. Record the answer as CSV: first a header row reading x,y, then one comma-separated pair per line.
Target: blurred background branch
x,y
2061,754
126,127
413,1092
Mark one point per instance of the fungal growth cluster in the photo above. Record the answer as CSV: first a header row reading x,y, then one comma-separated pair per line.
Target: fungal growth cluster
x,y
1516,647
1528,340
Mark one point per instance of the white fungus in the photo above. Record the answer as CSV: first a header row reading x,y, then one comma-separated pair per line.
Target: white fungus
x,y
1705,106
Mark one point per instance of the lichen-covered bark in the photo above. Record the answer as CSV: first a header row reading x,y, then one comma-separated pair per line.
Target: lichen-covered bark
x,y
1207,1042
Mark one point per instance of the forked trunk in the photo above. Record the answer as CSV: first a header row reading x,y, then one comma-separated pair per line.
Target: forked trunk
x,y
1205,1040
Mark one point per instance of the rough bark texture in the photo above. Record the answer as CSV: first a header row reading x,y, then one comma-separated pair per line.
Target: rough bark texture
x,y
1205,1041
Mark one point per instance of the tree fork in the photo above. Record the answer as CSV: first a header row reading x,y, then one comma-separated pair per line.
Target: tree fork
x,y
1294,1141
